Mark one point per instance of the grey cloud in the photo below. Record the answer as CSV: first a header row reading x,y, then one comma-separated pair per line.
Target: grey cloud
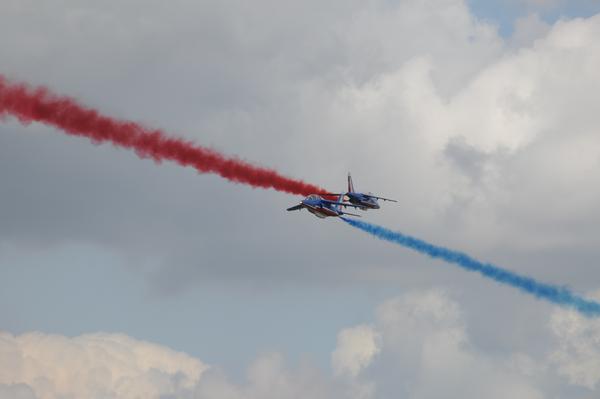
x,y
16,391
468,159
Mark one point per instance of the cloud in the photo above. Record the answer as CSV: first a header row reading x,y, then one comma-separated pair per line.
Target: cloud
x,y
577,355
528,29
419,346
241,83
269,377
42,366
470,132
426,344
355,350
16,391
516,132
95,365
490,144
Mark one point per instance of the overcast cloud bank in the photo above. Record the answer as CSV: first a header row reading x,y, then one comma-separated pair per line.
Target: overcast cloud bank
x,y
419,347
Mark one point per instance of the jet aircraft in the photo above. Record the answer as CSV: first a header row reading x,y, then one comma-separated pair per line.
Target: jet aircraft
x,y
323,208
362,200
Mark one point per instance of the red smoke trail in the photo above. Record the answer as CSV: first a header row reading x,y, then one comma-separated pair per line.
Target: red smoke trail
x,y
29,104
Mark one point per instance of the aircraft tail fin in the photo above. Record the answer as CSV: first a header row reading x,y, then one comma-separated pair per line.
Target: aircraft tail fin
x,y
350,184
339,201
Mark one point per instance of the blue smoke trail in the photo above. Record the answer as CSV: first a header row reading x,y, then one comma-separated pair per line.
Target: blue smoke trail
x,y
559,295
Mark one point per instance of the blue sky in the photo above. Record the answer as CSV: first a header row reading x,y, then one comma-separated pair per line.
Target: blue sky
x,y
78,289
504,13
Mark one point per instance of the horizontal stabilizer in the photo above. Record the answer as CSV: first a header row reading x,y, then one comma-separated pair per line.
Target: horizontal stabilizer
x,y
296,208
385,199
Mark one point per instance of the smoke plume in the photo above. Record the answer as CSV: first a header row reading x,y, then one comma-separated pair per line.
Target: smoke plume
x,y
558,295
39,104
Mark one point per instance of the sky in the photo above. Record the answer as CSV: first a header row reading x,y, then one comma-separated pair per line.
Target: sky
x,y
123,278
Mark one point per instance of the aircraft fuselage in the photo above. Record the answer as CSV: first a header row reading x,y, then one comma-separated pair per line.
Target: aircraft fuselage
x,y
363,201
318,208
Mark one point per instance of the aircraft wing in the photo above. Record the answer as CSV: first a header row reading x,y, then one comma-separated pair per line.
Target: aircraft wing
x,y
331,195
383,199
296,208
340,203
351,214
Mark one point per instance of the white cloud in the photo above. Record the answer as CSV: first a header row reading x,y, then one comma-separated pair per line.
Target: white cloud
x,y
529,115
268,377
577,355
41,366
419,347
425,342
355,350
93,366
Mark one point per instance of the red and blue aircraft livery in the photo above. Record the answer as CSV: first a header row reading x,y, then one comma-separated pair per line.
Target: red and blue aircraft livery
x,y
361,200
323,208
